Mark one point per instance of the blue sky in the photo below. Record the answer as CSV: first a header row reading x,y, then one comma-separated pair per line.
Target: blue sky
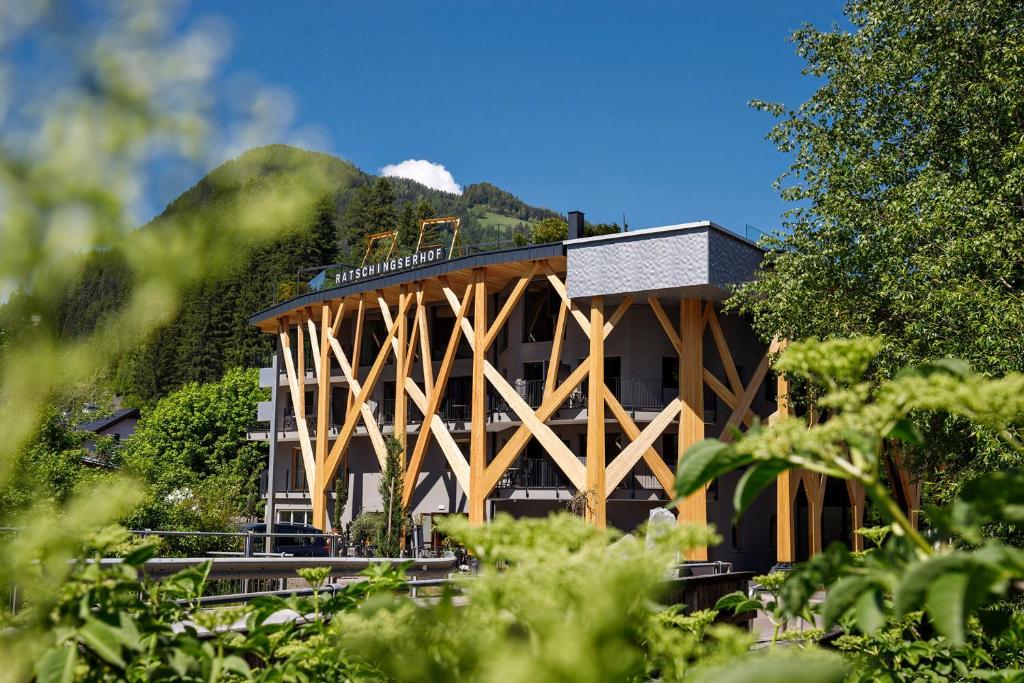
x,y
610,108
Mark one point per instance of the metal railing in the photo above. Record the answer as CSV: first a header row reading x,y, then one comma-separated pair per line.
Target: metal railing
x,y
541,473
386,413
634,393
640,478
533,473
290,423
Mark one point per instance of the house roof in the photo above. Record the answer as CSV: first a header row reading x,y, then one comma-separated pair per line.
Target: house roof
x,y
109,421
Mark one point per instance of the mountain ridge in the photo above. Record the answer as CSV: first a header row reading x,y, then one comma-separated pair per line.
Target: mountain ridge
x,y
210,332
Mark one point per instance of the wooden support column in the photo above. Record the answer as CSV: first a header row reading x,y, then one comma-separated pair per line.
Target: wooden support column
x,y
478,405
323,405
815,507
401,402
357,347
596,504
691,396
300,338
785,484
855,491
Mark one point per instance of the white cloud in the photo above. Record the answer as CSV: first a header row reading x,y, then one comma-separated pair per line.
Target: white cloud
x,y
425,172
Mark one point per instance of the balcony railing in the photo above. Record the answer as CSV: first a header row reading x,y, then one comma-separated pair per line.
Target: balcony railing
x,y
533,473
634,393
542,473
386,414
290,423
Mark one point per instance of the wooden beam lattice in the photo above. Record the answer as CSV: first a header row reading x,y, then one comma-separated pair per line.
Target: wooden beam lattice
x,y
373,238
456,241
407,340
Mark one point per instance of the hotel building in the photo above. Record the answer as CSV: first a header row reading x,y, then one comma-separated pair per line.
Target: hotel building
x,y
520,378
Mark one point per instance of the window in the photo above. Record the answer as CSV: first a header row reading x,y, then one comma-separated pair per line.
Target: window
x,y
670,450
374,334
710,404
736,537
539,314
612,446
295,516
770,388
670,373
339,405
457,397
712,491
772,531
441,331
297,473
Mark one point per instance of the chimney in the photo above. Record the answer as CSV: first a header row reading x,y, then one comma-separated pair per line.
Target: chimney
x,y
575,225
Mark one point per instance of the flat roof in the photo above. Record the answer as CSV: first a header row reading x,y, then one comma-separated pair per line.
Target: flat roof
x,y
662,234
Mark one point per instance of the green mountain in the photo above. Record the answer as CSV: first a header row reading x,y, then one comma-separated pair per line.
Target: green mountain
x,y
209,334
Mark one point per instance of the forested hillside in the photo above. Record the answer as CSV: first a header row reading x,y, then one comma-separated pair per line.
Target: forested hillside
x,y
209,334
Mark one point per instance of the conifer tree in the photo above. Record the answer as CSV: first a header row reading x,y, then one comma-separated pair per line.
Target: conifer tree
x,y
392,530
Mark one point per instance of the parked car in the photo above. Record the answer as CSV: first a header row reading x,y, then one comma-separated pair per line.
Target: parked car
x,y
302,544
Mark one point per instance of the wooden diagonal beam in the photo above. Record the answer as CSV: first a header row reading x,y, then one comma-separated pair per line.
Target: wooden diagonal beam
x,y
748,394
559,452
723,392
559,287
314,345
657,464
730,399
517,442
357,347
723,352
372,428
616,316
666,324
308,460
338,316
555,361
371,381
570,465
513,298
439,430
435,399
639,446
425,359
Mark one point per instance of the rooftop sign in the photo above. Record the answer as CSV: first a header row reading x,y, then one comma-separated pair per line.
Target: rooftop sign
x,y
390,265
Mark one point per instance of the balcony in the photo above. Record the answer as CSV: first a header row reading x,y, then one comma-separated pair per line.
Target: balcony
x,y
541,473
636,394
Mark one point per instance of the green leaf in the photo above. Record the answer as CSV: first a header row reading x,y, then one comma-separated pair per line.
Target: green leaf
x,y
138,557
907,432
911,591
764,668
236,664
57,665
738,602
946,605
703,461
947,366
755,480
842,596
868,612
103,639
